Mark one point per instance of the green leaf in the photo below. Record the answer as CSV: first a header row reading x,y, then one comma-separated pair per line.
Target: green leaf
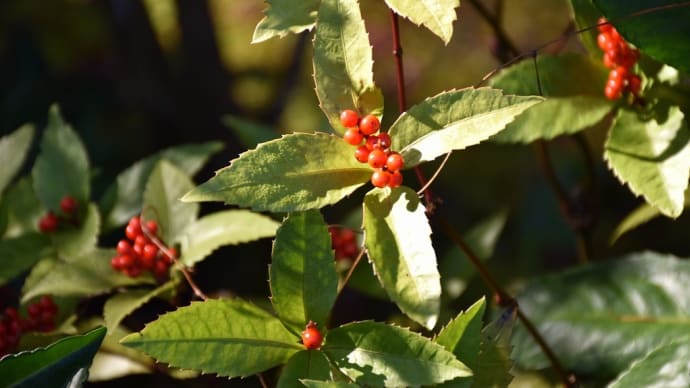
x,y
376,354
285,16
436,15
661,34
304,282
53,366
639,216
327,384
20,253
652,156
294,173
493,362
13,150
250,133
398,242
228,337
307,364
221,228
85,275
454,120
71,241
667,367
343,62
122,200
122,304
23,208
166,185
574,85
456,268
62,167
461,335
601,317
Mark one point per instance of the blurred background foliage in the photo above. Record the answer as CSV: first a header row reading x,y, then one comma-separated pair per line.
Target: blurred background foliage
x,y
136,76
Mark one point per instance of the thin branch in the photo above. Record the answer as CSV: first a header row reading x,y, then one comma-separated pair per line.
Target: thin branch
x,y
436,174
351,270
495,24
397,54
167,251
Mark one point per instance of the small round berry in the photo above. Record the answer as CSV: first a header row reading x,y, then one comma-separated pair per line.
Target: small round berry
x,y
395,179
394,162
380,178
619,74
48,304
160,269
169,256
377,158
141,240
384,141
133,272
69,205
124,247
609,61
369,125
152,226
126,261
34,310
349,118
362,154
48,223
634,84
150,252
132,231
147,262
603,25
311,336
612,93
115,263
353,136
602,41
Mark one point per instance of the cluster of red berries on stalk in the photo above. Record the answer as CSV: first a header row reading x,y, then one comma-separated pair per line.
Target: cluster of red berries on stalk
x,y
41,318
373,148
344,242
138,253
311,336
51,221
620,58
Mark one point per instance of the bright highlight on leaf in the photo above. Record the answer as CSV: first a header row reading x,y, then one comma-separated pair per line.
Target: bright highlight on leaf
x,y
436,15
228,337
454,120
398,242
377,354
294,173
13,150
286,16
343,62
652,157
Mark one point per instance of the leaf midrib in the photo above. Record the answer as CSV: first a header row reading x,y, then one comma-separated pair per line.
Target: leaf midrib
x,y
239,341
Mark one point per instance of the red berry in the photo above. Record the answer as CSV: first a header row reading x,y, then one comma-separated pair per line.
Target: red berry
x,y
160,269
369,125
605,28
141,240
353,136
394,162
377,158
132,231
612,93
395,180
34,310
150,251
362,154
48,223
152,226
384,141
634,84
124,247
68,204
311,336
620,73
380,178
349,118
347,235
609,61
133,272
48,304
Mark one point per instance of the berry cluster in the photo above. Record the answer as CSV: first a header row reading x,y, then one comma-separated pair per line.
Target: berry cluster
x,y
373,148
620,58
311,336
344,242
138,252
41,318
51,221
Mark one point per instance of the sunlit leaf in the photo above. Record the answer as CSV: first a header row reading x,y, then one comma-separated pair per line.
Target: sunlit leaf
x,y
24,210
652,156
436,15
642,214
667,366
343,62
454,120
286,16
303,278
398,242
493,362
376,354
227,337
221,228
294,173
